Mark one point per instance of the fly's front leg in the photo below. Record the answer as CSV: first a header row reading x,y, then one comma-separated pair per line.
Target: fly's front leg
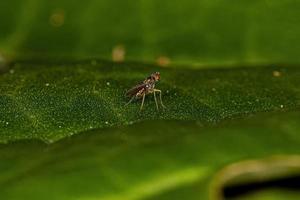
x,y
156,90
155,100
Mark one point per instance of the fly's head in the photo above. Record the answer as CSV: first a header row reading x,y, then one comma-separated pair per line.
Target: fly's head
x,y
155,76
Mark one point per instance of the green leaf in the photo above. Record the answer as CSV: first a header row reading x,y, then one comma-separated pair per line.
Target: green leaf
x,y
214,33
156,159
52,102
152,160
221,128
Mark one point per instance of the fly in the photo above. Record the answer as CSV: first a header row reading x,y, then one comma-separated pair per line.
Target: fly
x,y
146,87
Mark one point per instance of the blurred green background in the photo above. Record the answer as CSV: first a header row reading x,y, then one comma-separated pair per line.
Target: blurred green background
x,y
204,32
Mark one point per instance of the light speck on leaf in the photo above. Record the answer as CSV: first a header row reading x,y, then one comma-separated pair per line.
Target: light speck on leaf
x,y
163,61
276,73
57,18
118,53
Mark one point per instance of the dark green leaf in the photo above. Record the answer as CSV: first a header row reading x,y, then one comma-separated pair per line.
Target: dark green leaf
x,y
52,102
150,160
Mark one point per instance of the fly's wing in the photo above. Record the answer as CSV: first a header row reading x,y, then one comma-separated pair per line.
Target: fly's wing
x,y
135,90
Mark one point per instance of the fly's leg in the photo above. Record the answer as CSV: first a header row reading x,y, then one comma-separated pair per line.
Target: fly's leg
x,y
156,90
155,100
130,101
143,101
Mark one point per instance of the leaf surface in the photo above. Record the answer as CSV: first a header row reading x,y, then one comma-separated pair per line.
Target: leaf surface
x,y
51,102
152,160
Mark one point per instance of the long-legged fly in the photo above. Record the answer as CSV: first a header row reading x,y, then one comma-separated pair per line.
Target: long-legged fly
x,y
146,87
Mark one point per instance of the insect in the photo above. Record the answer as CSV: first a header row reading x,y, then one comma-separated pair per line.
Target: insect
x,y
146,87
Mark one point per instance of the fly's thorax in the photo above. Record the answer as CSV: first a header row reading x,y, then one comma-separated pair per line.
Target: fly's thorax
x,y
150,87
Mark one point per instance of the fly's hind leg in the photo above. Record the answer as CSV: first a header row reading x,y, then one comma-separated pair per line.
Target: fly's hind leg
x,y
130,101
156,90
155,100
